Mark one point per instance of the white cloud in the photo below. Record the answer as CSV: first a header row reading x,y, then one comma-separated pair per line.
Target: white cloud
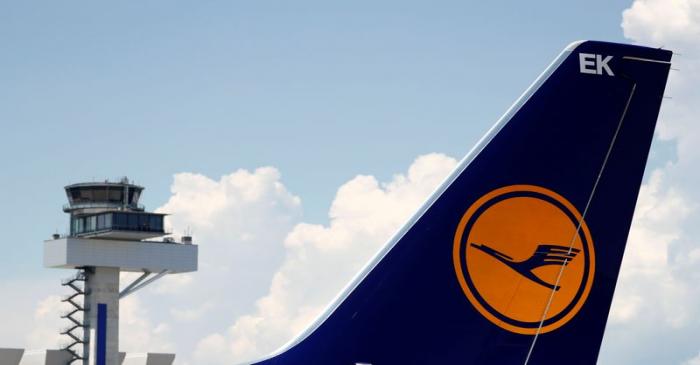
x,y
137,332
47,323
239,222
191,314
663,22
171,284
213,349
674,25
656,306
363,216
693,361
648,287
32,311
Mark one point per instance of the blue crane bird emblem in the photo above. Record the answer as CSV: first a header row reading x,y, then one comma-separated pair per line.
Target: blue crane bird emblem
x,y
544,255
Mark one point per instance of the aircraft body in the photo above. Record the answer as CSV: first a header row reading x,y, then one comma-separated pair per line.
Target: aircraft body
x,y
515,257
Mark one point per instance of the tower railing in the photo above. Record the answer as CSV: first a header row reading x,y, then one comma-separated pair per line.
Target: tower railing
x,y
107,205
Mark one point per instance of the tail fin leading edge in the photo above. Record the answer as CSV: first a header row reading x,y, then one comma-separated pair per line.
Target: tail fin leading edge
x,y
514,259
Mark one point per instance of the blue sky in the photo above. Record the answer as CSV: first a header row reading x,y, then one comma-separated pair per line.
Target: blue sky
x,y
322,91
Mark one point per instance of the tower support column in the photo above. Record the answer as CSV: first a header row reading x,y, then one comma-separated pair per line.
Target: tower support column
x,y
102,316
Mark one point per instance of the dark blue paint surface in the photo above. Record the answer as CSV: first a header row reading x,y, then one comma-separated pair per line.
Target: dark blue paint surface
x,y
101,344
410,308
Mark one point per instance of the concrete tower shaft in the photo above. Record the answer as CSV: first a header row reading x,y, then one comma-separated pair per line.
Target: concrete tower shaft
x,y
102,298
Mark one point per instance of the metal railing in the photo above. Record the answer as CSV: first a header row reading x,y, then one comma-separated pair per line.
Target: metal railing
x,y
106,205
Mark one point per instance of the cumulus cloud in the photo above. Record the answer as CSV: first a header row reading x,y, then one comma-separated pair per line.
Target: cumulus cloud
x,y
213,349
172,284
657,302
693,361
660,22
191,314
674,25
239,222
321,259
47,322
32,309
138,332
649,288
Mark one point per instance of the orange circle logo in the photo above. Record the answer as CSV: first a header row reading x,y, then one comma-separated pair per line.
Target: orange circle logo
x,y
519,252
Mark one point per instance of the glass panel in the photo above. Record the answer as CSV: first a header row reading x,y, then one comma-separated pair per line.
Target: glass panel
x,y
156,223
132,221
115,195
143,221
86,195
119,220
100,194
91,223
134,196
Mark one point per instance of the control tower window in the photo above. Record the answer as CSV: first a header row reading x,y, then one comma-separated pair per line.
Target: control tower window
x,y
101,222
115,195
119,220
133,196
156,222
145,222
91,223
99,195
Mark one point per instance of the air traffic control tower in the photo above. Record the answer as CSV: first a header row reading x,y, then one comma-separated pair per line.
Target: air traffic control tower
x,y
110,233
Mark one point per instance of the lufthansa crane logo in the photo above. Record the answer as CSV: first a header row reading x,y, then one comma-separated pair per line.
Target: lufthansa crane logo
x,y
524,257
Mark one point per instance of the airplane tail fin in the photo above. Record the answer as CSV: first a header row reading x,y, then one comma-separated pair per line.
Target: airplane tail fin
x,y
514,259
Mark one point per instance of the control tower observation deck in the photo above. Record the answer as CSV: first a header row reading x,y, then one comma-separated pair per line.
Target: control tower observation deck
x,y
109,233
110,210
